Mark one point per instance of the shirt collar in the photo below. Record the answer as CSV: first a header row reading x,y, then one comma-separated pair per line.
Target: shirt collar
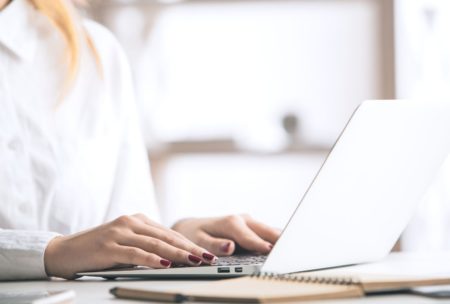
x,y
17,31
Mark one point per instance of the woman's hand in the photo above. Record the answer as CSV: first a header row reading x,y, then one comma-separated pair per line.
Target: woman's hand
x,y
128,240
220,235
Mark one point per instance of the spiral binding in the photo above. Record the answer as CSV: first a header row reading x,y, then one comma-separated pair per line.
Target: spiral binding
x,y
306,278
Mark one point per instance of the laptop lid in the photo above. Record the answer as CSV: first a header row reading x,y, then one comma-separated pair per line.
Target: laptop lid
x,y
368,188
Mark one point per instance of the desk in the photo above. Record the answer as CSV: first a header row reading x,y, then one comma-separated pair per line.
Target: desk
x,y
97,291
92,290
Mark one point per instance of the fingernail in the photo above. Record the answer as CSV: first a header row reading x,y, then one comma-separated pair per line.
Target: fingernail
x,y
225,247
165,263
270,246
194,259
209,257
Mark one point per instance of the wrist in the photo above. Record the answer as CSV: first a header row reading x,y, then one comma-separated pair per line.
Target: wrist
x,y
50,256
54,259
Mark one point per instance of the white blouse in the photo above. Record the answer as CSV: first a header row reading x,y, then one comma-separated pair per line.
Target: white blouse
x,y
69,165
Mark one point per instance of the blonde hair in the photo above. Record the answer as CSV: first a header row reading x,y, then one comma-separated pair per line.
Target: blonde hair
x,y
63,16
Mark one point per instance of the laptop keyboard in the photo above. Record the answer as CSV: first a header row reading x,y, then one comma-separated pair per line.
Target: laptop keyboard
x,y
238,259
241,259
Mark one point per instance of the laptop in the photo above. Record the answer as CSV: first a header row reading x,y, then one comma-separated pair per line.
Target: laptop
x,y
360,201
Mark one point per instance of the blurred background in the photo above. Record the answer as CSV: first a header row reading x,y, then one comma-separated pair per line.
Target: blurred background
x,y
241,100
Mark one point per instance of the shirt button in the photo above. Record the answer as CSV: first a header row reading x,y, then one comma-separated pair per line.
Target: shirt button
x,y
15,145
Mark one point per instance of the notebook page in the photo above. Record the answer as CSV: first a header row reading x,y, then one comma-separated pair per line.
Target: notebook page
x,y
400,270
266,290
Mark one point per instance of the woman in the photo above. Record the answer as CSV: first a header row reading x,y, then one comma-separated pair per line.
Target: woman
x,y
72,158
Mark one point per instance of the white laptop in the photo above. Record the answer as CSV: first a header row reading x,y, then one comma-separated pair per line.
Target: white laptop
x,y
359,202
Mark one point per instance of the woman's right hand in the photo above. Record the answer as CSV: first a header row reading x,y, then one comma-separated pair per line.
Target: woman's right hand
x,y
128,240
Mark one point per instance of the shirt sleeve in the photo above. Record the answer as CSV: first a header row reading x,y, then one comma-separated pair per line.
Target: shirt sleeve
x,y
22,254
133,190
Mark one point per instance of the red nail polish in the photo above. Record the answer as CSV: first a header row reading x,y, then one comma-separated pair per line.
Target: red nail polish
x,y
194,259
225,247
208,256
165,263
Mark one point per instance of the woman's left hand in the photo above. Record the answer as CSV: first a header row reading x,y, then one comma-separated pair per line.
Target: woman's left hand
x,y
221,235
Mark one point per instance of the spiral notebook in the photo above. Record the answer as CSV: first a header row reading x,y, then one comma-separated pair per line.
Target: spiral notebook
x,y
268,288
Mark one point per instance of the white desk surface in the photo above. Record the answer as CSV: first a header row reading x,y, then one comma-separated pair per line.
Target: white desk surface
x,y
93,290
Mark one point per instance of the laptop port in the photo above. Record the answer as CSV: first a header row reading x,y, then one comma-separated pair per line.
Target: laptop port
x,y
223,270
237,269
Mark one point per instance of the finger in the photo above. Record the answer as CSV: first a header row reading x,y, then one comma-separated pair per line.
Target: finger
x,y
265,232
218,246
136,256
151,223
235,228
174,238
163,250
171,237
